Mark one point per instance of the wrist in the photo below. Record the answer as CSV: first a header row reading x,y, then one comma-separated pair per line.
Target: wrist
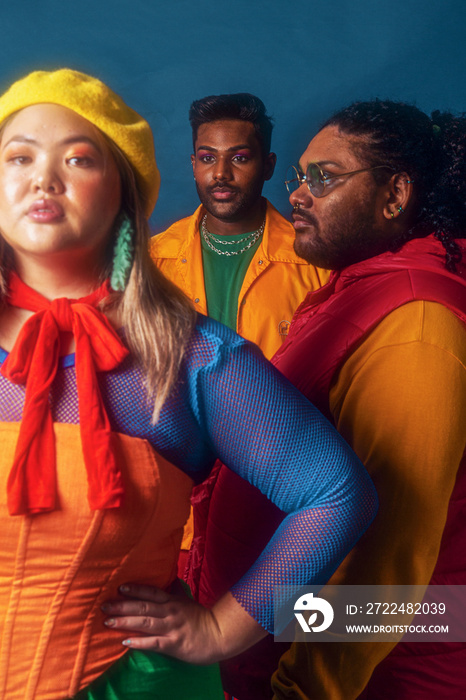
x,y
237,629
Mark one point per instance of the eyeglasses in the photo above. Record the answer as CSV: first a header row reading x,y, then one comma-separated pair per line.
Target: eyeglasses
x,y
316,179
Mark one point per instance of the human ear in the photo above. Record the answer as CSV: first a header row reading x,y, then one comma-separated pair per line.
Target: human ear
x,y
193,162
269,165
398,196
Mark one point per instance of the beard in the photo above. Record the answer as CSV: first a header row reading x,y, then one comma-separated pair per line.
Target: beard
x,y
342,240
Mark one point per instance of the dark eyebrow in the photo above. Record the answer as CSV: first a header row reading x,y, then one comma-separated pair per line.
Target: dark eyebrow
x,y
229,150
66,142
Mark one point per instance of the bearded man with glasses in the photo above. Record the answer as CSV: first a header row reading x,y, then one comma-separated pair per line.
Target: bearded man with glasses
x,y
379,196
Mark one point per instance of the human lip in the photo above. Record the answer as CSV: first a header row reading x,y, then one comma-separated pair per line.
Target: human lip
x,y
222,193
302,220
45,211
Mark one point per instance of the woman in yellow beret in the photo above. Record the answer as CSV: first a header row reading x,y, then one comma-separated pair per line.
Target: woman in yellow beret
x,y
115,399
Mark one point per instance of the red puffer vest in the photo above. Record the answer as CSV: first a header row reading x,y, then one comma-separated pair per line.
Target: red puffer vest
x,y
326,328
233,521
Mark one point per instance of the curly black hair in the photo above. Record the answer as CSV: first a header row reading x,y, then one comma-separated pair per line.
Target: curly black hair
x,y
431,150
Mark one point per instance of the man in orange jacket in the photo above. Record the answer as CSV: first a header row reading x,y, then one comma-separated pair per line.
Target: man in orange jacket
x,y
234,259
234,256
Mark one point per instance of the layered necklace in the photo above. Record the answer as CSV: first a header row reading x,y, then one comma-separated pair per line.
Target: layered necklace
x,y
210,239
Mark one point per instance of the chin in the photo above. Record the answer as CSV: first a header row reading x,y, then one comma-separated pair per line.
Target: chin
x,y
304,248
318,257
222,212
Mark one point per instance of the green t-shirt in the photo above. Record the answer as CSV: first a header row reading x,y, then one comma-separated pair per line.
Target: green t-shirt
x,y
224,275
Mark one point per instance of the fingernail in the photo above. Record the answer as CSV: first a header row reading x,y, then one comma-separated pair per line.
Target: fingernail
x,y
124,589
110,622
126,642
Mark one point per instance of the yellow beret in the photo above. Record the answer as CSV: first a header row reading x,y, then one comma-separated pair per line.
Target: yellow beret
x,y
93,100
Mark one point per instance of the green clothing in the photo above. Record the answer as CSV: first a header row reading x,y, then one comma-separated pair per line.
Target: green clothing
x,y
140,675
224,275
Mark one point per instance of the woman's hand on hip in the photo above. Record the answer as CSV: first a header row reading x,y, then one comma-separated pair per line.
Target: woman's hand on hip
x,y
178,626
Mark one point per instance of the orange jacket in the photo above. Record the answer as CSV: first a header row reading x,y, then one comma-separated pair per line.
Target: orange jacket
x,y
276,281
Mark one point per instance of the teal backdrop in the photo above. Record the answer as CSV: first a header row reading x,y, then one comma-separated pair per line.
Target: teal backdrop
x,y
304,59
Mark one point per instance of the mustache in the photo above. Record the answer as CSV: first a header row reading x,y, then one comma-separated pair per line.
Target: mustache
x,y
301,215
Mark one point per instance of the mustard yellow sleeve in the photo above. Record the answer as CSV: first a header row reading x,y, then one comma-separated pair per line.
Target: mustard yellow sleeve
x,y
400,402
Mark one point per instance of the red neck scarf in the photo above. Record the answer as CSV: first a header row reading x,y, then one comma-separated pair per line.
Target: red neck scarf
x,y
32,483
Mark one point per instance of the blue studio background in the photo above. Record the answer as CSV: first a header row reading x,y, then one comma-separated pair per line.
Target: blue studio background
x,y
304,59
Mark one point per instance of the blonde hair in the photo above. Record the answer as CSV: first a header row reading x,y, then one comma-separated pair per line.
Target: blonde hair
x,y
157,316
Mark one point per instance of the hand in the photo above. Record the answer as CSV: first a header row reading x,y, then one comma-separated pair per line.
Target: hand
x,y
178,626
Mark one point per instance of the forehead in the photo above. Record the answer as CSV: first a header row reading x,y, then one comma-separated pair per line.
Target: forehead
x,y
332,146
48,123
227,133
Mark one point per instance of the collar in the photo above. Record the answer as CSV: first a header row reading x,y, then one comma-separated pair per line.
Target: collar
x,y
426,254
277,240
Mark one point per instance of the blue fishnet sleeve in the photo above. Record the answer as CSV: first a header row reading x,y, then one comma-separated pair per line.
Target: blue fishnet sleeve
x,y
265,430
231,403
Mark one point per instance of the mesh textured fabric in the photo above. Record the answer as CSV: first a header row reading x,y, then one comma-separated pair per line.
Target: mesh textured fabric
x,y
230,403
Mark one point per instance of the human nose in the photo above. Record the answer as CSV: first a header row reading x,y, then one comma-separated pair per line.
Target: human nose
x,y
301,197
47,179
222,169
